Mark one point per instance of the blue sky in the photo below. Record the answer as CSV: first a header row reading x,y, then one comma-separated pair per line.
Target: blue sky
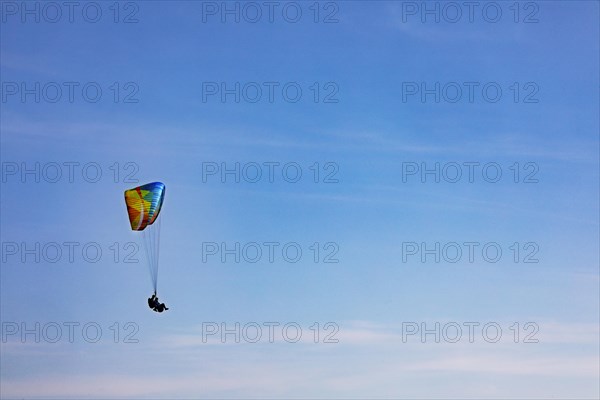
x,y
170,133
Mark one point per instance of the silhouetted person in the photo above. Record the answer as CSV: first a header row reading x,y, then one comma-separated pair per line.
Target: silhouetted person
x,y
152,301
156,305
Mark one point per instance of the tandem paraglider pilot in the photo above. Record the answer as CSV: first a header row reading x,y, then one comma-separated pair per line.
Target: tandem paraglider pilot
x,y
156,305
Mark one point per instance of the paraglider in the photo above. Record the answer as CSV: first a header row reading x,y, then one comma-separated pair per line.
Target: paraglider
x,y
143,206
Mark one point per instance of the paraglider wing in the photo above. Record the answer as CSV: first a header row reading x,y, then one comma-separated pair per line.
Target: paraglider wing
x,y
144,204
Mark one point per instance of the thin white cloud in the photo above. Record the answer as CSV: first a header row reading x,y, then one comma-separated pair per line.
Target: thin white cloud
x,y
369,361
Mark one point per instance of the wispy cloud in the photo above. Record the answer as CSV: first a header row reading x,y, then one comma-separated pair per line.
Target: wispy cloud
x,y
368,354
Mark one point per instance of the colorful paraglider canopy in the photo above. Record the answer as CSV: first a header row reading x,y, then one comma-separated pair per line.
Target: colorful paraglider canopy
x,y
144,204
